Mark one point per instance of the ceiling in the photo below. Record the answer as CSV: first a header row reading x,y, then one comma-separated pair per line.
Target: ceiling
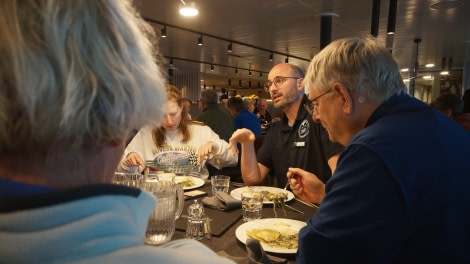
x,y
291,28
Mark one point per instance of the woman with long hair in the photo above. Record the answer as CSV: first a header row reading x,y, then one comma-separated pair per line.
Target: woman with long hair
x,y
178,140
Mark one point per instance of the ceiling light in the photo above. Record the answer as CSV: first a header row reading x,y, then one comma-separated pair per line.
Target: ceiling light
x,y
429,65
444,73
427,77
405,70
240,83
260,74
164,31
171,62
212,67
199,40
229,47
271,56
287,60
392,17
249,72
236,70
188,9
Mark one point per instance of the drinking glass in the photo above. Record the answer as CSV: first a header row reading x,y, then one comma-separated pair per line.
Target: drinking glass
x,y
252,205
220,183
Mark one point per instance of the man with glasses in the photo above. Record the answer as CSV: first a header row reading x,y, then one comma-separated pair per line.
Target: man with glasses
x,y
400,189
296,141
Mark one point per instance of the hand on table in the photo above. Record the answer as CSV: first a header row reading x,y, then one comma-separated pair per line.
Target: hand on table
x,y
133,159
242,135
306,185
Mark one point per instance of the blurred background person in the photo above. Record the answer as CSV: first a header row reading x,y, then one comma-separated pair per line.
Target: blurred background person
x,y
452,107
243,118
466,101
401,161
223,95
261,112
213,116
186,102
178,141
249,104
68,105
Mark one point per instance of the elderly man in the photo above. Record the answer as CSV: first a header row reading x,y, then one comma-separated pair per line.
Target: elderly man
x,y
76,77
295,141
400,190
217,119
261,112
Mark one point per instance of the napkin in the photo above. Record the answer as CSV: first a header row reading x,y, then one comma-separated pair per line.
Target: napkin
x,y
222,201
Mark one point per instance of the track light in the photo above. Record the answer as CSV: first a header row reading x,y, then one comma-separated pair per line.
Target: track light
x,y
287,60
199,40
271,56
260,74
171,62
249,72
236,70
188,9
240,83
164,31
230,47
392,17
212,67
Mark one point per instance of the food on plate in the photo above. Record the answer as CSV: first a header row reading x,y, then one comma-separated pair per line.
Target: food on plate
x,y
186,182
285,238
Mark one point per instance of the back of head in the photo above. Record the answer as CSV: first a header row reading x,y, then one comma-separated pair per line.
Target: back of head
x,y
75,75
361,64
236,104
209,96
445,102
248,103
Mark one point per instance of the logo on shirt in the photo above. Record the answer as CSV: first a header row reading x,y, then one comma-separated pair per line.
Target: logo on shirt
x,y
304,128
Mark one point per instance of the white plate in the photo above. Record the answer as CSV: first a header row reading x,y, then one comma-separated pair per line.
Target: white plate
x,y
273,223
236,193
198,182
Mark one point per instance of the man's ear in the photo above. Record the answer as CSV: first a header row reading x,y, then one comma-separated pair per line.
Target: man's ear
x,y
347,102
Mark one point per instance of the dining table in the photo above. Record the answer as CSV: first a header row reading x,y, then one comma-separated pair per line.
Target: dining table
x,y
225,223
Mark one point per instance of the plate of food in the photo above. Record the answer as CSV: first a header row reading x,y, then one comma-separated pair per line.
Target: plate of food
x,y
269,193
276,235
189,182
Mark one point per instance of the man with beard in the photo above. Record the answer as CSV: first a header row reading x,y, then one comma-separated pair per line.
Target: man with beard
x,y
295,141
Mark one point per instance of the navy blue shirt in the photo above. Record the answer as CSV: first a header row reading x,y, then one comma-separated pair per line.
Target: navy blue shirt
x,y
246,119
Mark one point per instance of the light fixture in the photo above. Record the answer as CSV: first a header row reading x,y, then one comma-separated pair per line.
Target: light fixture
x,y
260,74
188,9
271,56
240,83
212,67
286,60
429,65
427,77
249,72
392,17
164,31
229,47
199,40
374,24
444,72
405,70
171,62
236,70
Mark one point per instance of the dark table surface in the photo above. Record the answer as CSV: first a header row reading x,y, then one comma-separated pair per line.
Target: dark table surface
x,y
228,242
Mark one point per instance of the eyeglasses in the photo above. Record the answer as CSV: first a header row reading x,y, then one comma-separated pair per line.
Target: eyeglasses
x,y
310,106
278,81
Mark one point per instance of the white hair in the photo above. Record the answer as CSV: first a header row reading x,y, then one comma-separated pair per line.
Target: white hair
x,y
75,75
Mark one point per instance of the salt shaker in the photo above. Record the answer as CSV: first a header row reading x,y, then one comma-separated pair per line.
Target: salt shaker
x,y
198,224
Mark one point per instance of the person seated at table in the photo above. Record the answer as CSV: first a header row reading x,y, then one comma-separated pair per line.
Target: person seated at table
x,y
178,141
399,193
242,118
186,102
76,77
452,106
249,104
213,116
261,112
295,141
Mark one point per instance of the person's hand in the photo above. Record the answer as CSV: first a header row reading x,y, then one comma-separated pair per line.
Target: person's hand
x,y
133,159
306,185
242,135
204,151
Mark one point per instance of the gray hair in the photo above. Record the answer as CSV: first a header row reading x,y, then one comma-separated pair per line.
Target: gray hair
x,y
209,96
75,75
361,65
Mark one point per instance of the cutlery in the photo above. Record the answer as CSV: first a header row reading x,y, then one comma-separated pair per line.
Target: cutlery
x,y
292,208
307,203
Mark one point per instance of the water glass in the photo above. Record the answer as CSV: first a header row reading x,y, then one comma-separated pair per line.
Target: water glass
x,y
252,205
220,183
129,179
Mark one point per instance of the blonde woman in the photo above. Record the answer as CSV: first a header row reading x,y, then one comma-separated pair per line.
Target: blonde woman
x,y
178,141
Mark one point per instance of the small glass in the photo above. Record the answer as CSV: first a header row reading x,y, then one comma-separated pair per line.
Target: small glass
x,y
252,205
220,183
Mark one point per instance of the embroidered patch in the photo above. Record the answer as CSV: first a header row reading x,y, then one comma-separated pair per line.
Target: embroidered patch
x,y
304,129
